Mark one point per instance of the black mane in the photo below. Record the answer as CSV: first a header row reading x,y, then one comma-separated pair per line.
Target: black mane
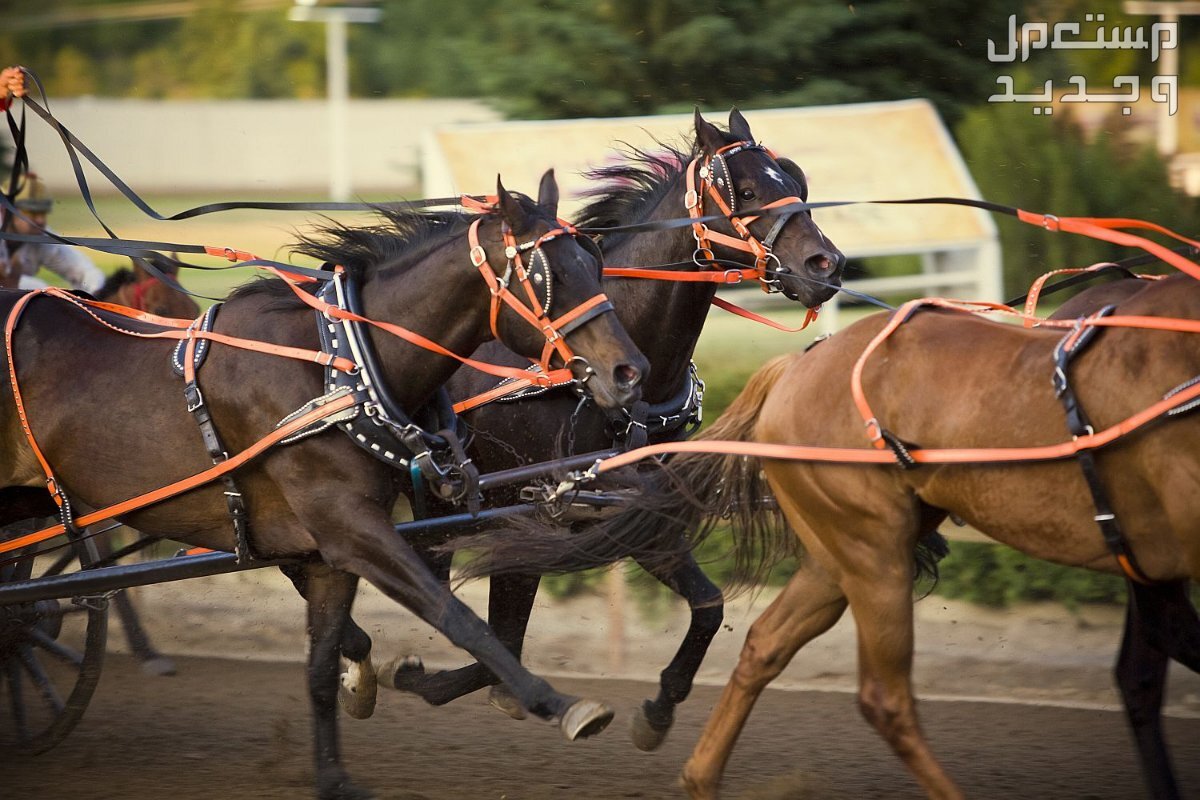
x,y
400,239
628,191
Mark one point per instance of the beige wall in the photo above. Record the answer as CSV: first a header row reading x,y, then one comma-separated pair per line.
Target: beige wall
x,y
248,147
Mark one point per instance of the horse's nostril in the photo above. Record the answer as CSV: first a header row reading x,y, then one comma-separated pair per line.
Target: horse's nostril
x,y
626,375
820,264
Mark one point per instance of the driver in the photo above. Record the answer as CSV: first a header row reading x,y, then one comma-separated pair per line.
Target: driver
x,y
20,261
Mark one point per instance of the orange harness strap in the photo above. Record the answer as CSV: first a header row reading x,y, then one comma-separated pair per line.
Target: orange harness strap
x,y
859,455
1035,289
750,315
728,277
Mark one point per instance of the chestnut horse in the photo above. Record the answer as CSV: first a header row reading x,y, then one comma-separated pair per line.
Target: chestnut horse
x,y
320,498
948,380
138,288
665,319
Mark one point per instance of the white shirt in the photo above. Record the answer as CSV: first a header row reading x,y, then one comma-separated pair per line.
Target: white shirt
x,y
64,260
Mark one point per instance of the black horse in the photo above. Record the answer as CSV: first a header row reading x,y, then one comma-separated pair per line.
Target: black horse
x,y
665,319
320,498
1161,623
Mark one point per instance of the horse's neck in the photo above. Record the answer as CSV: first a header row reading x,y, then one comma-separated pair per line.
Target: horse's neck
x,y
445,305
664,318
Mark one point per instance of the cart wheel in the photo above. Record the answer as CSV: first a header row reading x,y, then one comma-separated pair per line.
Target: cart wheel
x,y
51,652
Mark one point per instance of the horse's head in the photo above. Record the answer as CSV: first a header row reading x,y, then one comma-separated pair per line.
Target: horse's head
x,y
553,273
740,176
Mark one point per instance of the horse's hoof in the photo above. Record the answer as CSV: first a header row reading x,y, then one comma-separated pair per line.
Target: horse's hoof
x,y
358,689
647,735
501,698
344,791
393,673
585,718
158,666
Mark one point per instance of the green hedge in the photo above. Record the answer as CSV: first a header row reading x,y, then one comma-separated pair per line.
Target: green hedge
x,y
979,572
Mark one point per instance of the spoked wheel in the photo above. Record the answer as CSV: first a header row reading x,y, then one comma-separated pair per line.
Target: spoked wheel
x,y
51,652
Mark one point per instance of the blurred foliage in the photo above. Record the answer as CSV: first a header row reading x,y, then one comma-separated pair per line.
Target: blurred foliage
x,y
978,572
556,58
998,576
1048,165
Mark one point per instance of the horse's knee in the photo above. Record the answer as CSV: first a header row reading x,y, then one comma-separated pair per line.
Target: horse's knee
x,y
892,714
760,662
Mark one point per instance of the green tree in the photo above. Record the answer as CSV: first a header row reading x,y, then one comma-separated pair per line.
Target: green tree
x,y
1048,165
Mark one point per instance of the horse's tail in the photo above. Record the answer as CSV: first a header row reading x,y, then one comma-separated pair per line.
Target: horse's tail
x,y
676,507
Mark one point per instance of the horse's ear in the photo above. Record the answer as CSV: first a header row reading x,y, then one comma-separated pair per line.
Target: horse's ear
x,y
739,127
510,208
793,169
708,136
548,193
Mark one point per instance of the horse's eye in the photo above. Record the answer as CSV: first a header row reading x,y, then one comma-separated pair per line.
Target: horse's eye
x,y
746,194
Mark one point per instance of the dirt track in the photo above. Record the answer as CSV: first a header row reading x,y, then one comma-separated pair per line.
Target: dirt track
x,y
239,728
225,729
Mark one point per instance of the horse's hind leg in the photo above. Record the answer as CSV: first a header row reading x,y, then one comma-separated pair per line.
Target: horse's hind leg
x,y
329,593
358,689
879,586
809,605
1160,623
653,718
152,661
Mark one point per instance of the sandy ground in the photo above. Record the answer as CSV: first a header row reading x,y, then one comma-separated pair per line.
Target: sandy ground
x,y
1040,653
237,727
239,730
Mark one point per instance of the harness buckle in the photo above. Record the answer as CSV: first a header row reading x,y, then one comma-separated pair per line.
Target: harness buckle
x,y
195,399
691,199
733,277
703,257
874,430
478,256
1050,222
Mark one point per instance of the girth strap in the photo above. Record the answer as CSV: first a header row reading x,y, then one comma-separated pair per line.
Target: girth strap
x,y
235,502
1079,425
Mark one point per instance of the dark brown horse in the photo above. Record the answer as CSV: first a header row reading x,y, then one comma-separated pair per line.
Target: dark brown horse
x,y
665,320
116,433
135,287
949,380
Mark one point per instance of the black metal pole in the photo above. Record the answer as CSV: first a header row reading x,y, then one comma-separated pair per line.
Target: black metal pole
x,y
165,570
515,474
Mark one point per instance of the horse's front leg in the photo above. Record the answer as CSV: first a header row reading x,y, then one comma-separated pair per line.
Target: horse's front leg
x,y
329,593
510,602
684,577
367,545
808,606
